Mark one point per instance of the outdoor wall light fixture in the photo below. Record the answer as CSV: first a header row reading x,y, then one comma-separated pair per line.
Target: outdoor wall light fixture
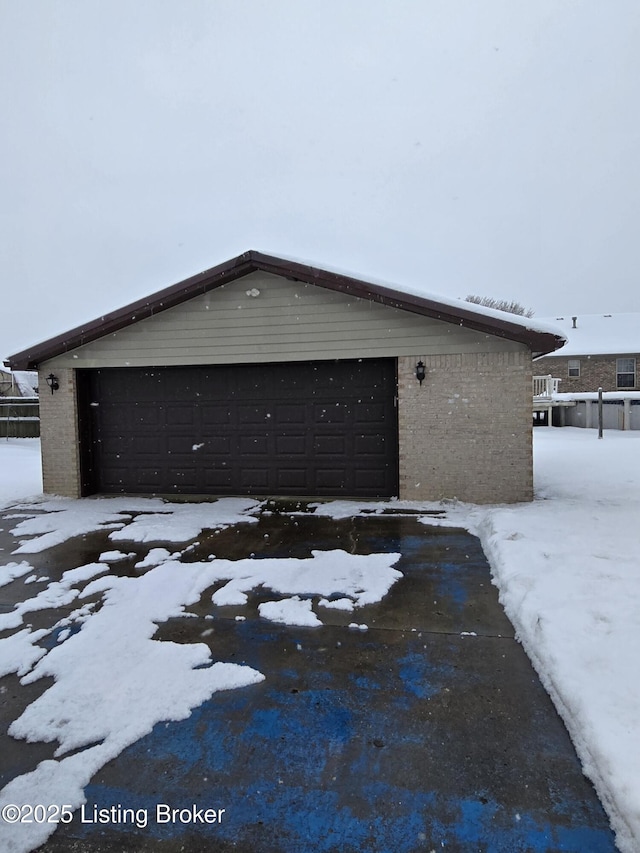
x,y
421,372
52,382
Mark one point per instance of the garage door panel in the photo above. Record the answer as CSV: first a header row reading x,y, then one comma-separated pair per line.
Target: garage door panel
x,y
370,445
330,445
291,414
366,412
144,414
250,383
331,480
184,415
214,415
146,387
217,478
146,445
150,477
254,444
366,479
291,445
302,428
293,480
113,444
182,480
117,477
255,479
341,384
333,413
251,415
218,445
183,444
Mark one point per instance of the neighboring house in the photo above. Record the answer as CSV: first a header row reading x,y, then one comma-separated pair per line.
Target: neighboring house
x,y
265,376
19,404
18,383
602,351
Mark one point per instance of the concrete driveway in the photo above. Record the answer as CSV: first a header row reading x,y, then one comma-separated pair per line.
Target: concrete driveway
x,y
428,730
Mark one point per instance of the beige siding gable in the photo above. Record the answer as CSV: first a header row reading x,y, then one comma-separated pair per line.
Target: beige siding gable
x,y
263,317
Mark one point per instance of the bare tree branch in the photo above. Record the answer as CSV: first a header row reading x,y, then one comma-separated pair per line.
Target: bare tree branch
x,y
501,305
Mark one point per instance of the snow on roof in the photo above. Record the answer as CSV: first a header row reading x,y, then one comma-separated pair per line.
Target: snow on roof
x,y
598,334
533,324
25,382
540,337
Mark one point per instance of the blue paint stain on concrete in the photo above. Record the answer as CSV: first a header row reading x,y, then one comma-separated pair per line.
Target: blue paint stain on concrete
x,y
451,585
315,765
364,682
423,677
53,638
370,742
397,819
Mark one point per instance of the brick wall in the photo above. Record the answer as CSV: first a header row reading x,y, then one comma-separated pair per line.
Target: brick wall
x,y
466,432
596,371
58,417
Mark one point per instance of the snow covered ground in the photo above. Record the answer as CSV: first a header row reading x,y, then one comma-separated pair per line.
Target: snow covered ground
x,y
568,571
567,568
20,469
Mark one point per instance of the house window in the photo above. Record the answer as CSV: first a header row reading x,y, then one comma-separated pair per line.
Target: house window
x,y
626,372
574,368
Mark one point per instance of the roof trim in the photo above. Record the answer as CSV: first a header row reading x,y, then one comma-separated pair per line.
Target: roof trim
x,y
252,261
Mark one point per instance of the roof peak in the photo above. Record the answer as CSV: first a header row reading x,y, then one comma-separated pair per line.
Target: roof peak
x,y
539,338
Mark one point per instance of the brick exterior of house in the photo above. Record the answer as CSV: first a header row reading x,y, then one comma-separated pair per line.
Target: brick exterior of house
x,y
59,435
472,413
596,371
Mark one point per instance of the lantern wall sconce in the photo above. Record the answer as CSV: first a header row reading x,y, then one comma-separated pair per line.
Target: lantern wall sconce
x,y
52,382
421,372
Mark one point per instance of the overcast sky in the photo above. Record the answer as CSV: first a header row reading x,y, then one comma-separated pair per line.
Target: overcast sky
x,y
461,147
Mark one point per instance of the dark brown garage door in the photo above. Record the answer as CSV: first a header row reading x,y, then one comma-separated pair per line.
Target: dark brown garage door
x,y
313,428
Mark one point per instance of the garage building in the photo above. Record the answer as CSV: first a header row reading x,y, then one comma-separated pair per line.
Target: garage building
x,y
264,376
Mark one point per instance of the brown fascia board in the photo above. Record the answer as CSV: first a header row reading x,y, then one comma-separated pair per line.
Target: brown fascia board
x,y
539,342
148,306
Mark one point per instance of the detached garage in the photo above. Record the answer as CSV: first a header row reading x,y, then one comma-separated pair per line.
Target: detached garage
x,y
264,376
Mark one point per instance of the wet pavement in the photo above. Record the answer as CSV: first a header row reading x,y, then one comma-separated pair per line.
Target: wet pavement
x,y
427,731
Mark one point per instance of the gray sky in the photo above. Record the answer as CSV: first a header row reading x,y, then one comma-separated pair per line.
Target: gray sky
x,y
461,147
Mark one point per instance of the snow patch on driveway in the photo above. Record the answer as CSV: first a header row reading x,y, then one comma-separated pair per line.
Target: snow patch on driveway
x,y
113,683
290,611
12,571
183,522
112,680
56,520
359,578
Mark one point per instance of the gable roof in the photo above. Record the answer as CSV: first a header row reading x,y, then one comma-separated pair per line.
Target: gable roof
x,y
599,334
541,339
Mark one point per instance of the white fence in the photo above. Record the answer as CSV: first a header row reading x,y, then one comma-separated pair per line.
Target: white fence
x,y
545,386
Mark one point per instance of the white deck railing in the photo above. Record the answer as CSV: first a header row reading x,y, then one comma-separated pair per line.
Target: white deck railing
x,y
544,387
